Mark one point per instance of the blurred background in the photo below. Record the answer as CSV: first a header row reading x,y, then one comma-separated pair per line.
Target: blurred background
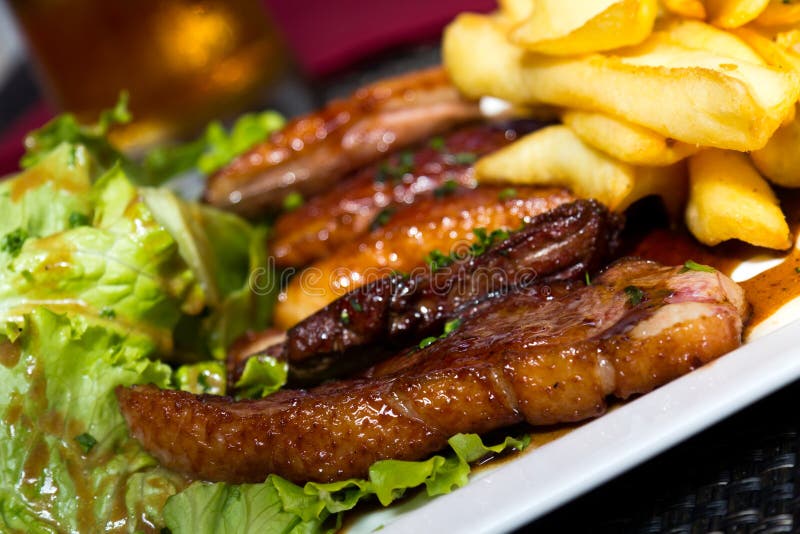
x,y
185,62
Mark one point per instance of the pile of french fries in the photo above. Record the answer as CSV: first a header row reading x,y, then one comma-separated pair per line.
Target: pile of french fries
x,y
692,100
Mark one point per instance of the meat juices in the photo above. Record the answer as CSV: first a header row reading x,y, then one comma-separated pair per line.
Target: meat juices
x,y
313,152
525,358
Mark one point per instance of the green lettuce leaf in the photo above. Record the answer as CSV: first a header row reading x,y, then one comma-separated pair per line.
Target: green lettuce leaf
x,y
66,128
214,149
262,376
50,198
67,463
228,257
98,279
278,506
203,378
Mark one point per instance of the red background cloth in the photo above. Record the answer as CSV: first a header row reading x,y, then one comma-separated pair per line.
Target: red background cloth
x,y
325,36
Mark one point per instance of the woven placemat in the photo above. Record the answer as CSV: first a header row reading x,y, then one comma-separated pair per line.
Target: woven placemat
x,y
740,476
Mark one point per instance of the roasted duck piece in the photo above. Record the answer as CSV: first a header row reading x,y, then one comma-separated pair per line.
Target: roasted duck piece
x,y
314,151
525,358
396,311
324,223
444,222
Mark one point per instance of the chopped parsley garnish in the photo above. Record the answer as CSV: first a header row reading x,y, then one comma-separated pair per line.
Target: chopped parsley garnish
x,y
344,317
292,201
465,158
635,295
404,166
446,189
436,259
452,326
437,143
407,160
449,327
381,218
430,340
86,441
108,313
691,265
797,269
484,241
77,219
507,194
12,242
586,278
357,307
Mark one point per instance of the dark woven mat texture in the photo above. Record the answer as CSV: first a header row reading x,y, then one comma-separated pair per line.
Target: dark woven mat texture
x,y
740,476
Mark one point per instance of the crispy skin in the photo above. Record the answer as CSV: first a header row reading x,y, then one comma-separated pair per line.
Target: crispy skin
x,y
323,224
396,311
444,223
313,152
525,358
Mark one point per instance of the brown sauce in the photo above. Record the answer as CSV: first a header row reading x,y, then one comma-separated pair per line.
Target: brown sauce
x,y
9,353
766,292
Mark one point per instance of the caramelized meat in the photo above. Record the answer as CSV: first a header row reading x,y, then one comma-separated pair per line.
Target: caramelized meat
x,y
313,152
327,221
443,222
396,311
524,358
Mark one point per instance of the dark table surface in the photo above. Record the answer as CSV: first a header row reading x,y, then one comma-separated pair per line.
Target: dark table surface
x,y
740,476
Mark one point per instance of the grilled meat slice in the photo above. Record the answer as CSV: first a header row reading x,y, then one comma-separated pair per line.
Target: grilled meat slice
x,y
525,358
313,152
323,224
442,222
397,311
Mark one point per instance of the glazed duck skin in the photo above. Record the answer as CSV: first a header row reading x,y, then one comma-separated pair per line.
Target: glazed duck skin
x,y
543,361
313,152
565,243
325,222
437,222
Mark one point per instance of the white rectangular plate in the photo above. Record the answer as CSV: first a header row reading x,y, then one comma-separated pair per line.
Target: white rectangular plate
x,y
536,482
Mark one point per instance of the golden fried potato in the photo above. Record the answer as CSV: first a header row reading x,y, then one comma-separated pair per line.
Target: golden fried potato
x,y
701,36
779,161
693,9
728,199
733,13
773,53
780,13
627,142
688,95
516,10
556,156
568,27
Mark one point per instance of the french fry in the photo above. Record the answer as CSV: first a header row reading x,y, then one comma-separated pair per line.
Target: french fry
x,y
688,95
728,199
556,156
568,27
733,13
773,53
693,9
701,36
625,141
779,161
779,13
516,10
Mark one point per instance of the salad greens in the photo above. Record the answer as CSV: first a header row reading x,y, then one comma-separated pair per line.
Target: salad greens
x,y
106,283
